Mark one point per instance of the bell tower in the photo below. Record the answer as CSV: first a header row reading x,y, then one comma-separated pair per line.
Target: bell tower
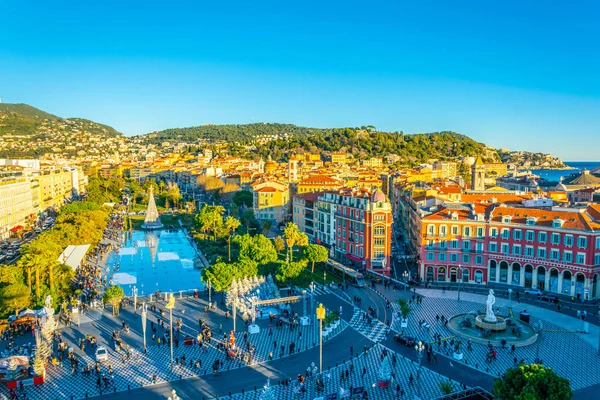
x,y
478,175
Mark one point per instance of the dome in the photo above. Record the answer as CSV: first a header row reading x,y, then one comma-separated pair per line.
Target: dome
x,y
378,196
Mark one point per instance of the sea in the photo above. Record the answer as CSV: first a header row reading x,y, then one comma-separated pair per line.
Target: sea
x,y
556,174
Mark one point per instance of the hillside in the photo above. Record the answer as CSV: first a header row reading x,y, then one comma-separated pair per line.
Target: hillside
x,y
26,131
279,141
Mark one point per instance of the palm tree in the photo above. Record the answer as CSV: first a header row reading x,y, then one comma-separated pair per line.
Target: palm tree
x,y
231,224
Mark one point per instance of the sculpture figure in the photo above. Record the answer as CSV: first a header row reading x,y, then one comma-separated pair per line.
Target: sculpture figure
x,y
489,307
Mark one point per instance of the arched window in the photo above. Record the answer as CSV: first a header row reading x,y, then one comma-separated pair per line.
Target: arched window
x,y
379,230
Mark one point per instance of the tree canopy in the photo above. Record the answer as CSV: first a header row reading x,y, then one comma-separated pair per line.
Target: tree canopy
x,y
532,382
315,253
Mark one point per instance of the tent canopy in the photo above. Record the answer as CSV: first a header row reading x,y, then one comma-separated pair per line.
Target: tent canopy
x,y
73,255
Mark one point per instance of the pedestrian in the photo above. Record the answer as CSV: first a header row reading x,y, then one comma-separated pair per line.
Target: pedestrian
x,y
410,379
351,351
364,372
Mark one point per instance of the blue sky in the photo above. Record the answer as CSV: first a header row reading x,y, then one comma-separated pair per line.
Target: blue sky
x,y
521,75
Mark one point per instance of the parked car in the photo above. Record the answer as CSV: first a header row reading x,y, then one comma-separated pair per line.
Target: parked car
x,y
101,354
408,341
535,292
413,282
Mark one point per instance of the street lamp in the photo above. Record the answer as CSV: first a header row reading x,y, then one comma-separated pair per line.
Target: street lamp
x,y
324,279
321,316
419,347
209,286
135,290
144,312
312,295
405,276
170,305
540,328
460,275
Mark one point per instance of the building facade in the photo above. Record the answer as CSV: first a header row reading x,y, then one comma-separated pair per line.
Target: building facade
x,y
550,249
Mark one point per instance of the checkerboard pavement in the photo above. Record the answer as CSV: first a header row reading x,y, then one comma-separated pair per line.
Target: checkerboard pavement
x,y
140,368
566,353
370,361
375,331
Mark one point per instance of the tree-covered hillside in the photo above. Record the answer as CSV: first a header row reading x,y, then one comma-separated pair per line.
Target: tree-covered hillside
x,y
281,140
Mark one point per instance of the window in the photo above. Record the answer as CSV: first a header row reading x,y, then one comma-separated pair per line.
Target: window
x,y
598,243
442,256
567,256
467,231
344,234
580,258
454,244
480,231
542,237
443,230
466,245
541,252
380,254
494,232
531,221
443,245
569,240
504,248
597,259
493,247
454,257
380,242
530,236
582,242
557,223
506,219
360,251
529,251
517,249
517,235
479,247
505,234
466,258
479,260
556,238
430,256
555,254
454,230
379,217
379,231
430,230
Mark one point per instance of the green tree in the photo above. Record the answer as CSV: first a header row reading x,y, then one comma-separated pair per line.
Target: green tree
x,y
293,237
113,295
532,382
231,224
220,275
243,198
210,219
315,253
404,308
289,272
279,244
14,297
257,248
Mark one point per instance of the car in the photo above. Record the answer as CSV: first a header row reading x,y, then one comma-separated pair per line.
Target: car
x,y
413,282
406,340
101,354
535,292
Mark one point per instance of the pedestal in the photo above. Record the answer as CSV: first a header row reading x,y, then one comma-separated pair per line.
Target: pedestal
x,y
458,356
253,329
403,323
304,321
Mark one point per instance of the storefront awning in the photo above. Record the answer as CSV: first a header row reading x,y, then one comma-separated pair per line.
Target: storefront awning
x,y
17,228
353,257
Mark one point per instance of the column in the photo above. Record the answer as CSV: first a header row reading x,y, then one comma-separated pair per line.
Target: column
x,y
534,281
547,281
522,279
560,283
509,272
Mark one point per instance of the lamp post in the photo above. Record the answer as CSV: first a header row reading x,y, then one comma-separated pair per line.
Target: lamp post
x,y
460,270
170,305
209,286
321,316
419,347
134,290
144,312
324,279
405,276
312,295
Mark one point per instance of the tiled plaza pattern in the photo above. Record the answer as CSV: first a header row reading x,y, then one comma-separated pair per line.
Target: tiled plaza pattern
x,y
370,362
566,353
375,331
140,368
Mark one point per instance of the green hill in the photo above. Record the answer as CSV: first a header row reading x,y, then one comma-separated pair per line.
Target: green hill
x,y
282,140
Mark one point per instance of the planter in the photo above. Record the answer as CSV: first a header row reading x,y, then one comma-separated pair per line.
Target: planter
x,y
458,356
335,324
324,333
403,322
253,329
383,384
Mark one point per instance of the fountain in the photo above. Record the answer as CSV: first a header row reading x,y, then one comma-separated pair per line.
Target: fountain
x,y
492,328
152,220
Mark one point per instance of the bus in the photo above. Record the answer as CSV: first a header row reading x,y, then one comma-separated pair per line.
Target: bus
x,y
353,277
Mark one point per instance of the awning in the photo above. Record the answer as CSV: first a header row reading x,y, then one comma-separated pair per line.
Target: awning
x,y
17,228
73,255
353,257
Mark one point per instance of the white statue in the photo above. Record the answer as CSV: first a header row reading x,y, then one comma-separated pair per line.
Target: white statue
x,y
489,307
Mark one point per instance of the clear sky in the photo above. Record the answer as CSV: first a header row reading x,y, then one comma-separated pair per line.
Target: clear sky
x,y
516,74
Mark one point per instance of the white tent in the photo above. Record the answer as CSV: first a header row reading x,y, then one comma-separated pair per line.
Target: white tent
x,y
73,255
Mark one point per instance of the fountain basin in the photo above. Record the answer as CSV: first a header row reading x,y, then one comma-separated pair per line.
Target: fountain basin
x,y
511,330
499,325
